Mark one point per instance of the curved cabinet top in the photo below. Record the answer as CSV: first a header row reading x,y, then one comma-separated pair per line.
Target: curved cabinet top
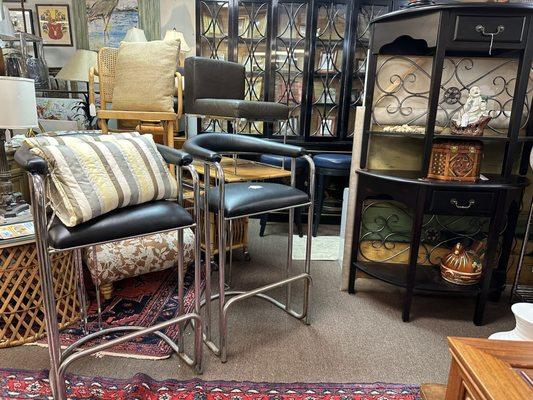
x,y
463,26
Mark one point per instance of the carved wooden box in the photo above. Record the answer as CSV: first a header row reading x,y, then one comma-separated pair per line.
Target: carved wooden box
x,y
455,161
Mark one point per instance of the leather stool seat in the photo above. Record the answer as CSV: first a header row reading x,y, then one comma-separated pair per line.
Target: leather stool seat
x,y
333,161
252,110
126,222
277,161
246,198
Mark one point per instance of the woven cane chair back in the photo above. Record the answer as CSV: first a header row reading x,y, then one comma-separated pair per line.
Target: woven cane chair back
x,y
107,62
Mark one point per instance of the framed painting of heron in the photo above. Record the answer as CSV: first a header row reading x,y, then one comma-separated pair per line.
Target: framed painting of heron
x,y
54,24
109,20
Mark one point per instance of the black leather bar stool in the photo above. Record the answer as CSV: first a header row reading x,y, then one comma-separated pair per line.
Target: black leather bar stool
x,y
216,89
328,165
301,168
123,223
236,200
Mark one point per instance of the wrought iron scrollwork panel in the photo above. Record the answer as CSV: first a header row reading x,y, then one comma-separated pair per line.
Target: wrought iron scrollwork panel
x,y
366,14
402,91
213,38
386,233
252,47
288,64
331,24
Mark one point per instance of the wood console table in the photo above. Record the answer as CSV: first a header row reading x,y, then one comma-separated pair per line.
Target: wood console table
x,y
483,369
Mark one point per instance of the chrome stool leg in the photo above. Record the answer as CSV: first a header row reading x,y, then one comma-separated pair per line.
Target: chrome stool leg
x,y
222,322
97,288
37,189
230,265
207,241
180,286
82,293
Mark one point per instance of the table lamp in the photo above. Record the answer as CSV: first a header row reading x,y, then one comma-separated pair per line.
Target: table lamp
x,y
173,34
77,66
6,32
19,111
135,35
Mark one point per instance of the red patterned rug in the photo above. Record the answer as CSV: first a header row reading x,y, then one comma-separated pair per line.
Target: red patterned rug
x,y
34,385
141,301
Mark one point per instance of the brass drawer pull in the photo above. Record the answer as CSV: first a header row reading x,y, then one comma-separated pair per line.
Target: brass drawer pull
x,y
471,202
481,29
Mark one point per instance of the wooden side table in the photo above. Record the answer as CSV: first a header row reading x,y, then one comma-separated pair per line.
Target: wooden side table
x,y
21,314
483,369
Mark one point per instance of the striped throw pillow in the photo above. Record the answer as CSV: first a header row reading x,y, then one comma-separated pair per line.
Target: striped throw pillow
x,y
92,175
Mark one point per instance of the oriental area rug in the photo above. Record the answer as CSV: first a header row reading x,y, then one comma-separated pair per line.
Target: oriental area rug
x,y
144,300
22,385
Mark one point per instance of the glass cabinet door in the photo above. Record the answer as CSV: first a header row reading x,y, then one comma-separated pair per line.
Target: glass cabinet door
x,y
252,45
288,62
366,13
212,31
326,77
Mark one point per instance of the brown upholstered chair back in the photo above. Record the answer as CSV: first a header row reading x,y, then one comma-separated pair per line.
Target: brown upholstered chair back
x,y
207,78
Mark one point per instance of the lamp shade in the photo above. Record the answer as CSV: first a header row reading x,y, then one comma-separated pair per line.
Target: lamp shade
x,y
6,26
78,65
173,34
18,109
135,35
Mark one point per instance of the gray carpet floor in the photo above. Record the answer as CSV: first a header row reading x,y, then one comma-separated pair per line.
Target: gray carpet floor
x,y
352,338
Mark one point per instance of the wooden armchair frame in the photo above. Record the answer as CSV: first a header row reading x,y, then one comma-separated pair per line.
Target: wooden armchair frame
x,y
107,58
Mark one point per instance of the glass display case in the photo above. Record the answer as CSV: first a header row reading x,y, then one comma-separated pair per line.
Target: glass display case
x,y
309,55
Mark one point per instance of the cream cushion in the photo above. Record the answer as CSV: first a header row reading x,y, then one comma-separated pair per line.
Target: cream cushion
x,y
144,76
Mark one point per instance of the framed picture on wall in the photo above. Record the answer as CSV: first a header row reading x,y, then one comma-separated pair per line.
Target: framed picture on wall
x,y
54,24
18,20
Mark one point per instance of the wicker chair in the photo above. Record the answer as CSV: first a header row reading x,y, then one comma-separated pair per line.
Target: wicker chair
x,y
157,122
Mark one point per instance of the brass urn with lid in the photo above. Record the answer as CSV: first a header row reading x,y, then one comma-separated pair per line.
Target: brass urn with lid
x,y
461,266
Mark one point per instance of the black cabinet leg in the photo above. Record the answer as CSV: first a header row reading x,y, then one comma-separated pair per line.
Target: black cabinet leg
x,y
351,282
358,216
263,224
416,231
480,308
319,202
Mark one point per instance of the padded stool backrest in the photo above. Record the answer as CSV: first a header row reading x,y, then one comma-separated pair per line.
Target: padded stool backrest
x,y
207,78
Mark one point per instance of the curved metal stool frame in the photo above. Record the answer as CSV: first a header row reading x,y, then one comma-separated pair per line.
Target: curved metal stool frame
x,y
60,361
226,223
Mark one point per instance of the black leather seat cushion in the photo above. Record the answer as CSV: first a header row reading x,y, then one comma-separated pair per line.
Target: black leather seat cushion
x,y
120,224
255,197
253,110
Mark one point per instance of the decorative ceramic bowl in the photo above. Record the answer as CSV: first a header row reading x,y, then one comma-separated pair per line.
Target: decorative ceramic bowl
x,y
461,267
458,277
523,313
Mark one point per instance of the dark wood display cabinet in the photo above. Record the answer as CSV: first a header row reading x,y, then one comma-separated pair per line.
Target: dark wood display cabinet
x,y
422,64
308,54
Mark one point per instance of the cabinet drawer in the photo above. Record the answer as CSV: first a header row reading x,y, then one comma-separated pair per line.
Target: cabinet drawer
x,y
470,28
454,202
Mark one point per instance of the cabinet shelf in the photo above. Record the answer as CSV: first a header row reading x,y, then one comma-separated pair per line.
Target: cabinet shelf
x,y
437,136
427,278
